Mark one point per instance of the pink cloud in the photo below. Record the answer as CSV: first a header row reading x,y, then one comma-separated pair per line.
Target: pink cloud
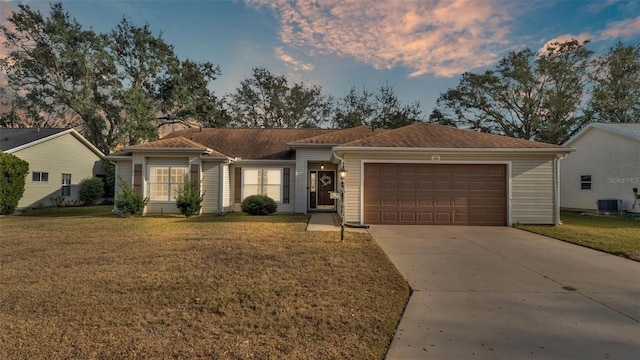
x,y
622,29
292,62
443,38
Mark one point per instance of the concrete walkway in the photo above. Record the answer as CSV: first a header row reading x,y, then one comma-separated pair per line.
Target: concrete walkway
x,y
503,293
324,222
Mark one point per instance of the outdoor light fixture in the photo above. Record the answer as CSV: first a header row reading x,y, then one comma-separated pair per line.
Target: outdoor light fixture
x,y
343,174
322,165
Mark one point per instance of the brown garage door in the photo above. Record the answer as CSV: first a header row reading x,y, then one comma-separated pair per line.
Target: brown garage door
x,y
456,194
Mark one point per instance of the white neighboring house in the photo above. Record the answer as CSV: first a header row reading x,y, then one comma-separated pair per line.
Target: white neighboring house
x,y
604,166
58,160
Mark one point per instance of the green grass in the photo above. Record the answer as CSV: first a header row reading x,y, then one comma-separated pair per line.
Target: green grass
x,y
82,283
612,234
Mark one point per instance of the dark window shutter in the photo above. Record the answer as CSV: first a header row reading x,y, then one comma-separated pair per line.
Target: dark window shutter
x,y
137,178
237,189
195,175
286,185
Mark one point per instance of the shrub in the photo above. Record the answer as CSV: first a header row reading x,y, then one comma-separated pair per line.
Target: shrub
x,y
13,171
91,190
189,200
109,179
258,205
128,201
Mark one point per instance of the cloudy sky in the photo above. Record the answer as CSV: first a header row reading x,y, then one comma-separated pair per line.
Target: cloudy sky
x,y
420,47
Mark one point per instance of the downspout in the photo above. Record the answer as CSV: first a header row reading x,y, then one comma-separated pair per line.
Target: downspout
x,y
556,161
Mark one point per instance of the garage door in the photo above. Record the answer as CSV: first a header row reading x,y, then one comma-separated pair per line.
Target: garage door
x,y
455,194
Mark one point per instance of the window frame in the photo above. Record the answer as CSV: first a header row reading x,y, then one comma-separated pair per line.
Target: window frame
x,y
586,182
41,175
169,184
261,185
65,189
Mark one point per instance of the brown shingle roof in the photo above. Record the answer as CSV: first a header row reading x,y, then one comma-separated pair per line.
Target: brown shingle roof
x,y
425,135
342,136
260,144
174,142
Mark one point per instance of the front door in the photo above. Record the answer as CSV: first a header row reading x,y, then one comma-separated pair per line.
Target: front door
x,y
321,183
326,184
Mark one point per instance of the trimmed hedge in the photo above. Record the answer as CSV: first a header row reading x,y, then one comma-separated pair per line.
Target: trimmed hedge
x,y
13,172
258,205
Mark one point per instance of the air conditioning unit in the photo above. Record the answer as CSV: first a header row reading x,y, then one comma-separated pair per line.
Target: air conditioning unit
x,y
609,206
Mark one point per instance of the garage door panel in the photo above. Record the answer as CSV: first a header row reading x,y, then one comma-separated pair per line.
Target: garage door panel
x,y
443,185
443,217
473,194
408,201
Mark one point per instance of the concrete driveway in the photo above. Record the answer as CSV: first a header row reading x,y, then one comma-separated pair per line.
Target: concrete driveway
x,y
503,293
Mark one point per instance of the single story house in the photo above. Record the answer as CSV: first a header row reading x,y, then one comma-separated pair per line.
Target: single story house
x,y
418,174
58,160
603,170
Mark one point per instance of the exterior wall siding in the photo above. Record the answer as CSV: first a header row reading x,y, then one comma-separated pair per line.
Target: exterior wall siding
x,y
531,179
303,157
211,186
60,155
613,162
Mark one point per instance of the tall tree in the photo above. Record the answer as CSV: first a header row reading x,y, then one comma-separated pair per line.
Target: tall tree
x,y
616,85
382,109
268,101
529,95
391,113
354,109
119,88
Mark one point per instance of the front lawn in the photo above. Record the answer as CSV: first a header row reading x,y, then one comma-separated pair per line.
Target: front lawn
x,y
81,283
611,234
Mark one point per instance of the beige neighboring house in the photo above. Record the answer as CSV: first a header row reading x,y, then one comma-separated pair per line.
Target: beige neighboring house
x,y
419,174
58,160
604,169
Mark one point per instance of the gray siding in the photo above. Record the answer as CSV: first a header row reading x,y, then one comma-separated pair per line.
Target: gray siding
x,y
211,186
303,157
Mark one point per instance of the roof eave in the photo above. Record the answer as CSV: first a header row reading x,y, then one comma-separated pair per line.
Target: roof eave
x,y
168,149
311,145
73,132
559,150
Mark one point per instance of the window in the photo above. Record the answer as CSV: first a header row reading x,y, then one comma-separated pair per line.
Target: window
x,y
585,182
66,184
262,182
165,181
38,176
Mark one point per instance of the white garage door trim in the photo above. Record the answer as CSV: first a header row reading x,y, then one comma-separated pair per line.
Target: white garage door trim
x,y
444,162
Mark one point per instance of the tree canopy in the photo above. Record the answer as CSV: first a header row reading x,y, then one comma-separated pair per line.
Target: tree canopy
x,y
267,100
548,95
118,87
382,109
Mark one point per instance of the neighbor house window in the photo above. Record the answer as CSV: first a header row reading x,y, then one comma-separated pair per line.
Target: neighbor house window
x,y
38,176
165,181
262,182
66,184
585,182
